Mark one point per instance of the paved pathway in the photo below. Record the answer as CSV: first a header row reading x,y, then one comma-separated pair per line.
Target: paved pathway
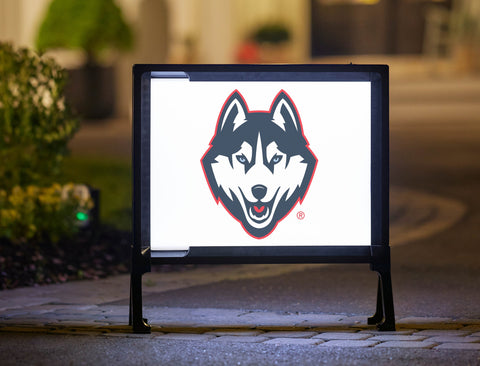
x,y
88,307
240,326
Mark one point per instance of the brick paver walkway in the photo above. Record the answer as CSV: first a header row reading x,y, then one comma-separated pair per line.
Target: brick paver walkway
x,y
220,325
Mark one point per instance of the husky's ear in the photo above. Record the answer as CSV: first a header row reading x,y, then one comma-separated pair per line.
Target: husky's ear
x,y
234,113
284,113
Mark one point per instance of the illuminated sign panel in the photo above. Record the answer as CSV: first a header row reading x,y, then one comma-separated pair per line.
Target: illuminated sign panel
x,y
261,164
269,163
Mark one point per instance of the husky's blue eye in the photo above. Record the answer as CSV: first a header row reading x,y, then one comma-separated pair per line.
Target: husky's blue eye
x,y
242,159
276,159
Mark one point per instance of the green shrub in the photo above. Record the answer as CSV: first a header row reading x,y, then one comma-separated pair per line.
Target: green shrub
x,y
42,215
93,26
35,127
35,123
273,33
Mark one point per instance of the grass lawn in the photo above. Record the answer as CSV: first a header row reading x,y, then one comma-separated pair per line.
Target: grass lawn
x,y
113,177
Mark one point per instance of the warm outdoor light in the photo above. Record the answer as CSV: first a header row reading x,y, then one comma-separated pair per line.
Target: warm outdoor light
x,y
261,164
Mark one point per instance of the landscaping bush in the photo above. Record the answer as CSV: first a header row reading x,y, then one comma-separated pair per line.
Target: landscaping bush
x,y
41,215
35,127
35,122
41,241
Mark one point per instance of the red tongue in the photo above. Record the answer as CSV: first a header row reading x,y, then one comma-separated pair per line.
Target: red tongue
x,y
258,210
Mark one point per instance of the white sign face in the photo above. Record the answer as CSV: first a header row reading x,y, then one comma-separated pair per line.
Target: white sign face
x,y
259,163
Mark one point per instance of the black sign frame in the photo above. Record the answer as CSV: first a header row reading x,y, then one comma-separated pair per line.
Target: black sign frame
x,y
377,254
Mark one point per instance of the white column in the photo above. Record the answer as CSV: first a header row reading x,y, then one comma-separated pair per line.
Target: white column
x,y
216,42
20,20
10,21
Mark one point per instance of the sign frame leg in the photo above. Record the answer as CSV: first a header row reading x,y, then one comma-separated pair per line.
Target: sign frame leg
x,y
384,317
136,320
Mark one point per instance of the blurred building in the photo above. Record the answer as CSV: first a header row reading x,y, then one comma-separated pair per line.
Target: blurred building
x,y
370,26
227,31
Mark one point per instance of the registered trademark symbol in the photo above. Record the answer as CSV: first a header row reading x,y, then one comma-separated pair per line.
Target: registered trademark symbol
x,y
300,215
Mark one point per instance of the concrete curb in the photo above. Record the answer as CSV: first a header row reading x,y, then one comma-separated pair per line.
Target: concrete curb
x,y
417,215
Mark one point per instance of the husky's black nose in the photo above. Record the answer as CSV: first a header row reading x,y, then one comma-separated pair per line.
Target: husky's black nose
x,y
259,191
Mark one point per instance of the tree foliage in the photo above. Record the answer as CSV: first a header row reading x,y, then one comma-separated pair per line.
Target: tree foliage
x,y
93,26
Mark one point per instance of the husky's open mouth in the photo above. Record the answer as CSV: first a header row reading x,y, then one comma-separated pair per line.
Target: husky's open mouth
x,y
259,212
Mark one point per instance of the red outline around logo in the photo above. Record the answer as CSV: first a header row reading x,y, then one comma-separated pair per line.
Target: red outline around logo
x,y
300,199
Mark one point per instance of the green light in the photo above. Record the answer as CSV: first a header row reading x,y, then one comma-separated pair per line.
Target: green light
x,y
82,216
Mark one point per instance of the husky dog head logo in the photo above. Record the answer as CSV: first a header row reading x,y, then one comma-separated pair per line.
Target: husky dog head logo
x,y
259,164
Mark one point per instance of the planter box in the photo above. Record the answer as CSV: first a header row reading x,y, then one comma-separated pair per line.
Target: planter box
x,y
90,90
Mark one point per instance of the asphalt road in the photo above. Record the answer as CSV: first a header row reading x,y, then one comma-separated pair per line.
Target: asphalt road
x,y
141,351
